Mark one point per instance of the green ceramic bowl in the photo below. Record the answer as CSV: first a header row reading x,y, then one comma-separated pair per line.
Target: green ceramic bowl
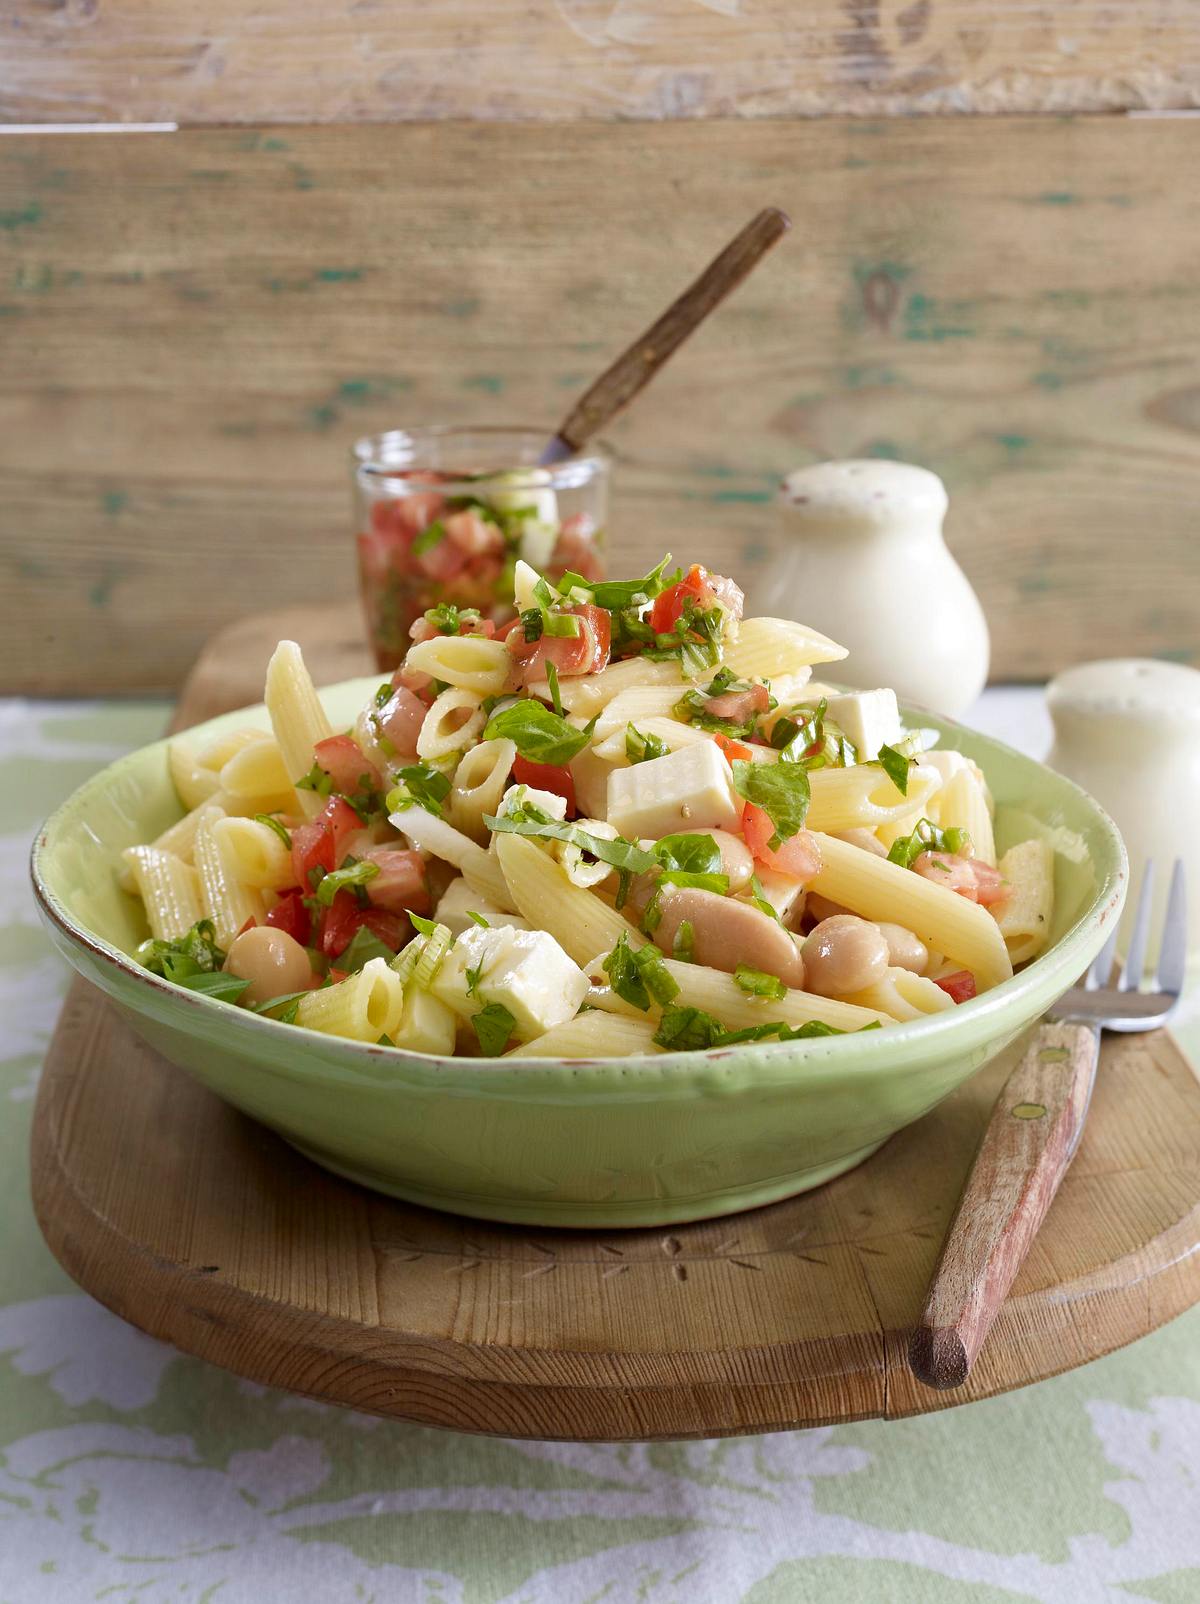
x,y
606,1143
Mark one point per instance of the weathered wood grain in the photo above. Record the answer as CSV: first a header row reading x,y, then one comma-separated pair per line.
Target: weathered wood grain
x,y
563,59
194,327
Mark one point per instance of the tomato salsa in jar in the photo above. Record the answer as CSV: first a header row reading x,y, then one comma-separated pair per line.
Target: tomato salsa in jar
x,y
443,514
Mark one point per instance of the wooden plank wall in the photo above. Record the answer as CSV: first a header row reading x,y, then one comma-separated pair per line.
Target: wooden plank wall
x,y
195,326
422,60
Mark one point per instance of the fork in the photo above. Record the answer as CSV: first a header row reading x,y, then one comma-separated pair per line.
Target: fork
x,y
1032,1135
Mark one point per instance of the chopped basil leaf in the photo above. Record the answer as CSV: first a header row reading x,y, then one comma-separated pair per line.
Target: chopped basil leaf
x,y
288,1003
421,785
272,823
641,748
759,900
780,789
385,1041
447,619
526,819
552,682
493,1026
385,693
364,945
478,918
684,1030
226,987
474,976
928,837
561,626
425,927
895,765
315,780
759,984
697,854
718,883
531,625
617,594
348,877
684,945
630,629
639,977
429,538
693,708
652,917
538,734
193,954
696,639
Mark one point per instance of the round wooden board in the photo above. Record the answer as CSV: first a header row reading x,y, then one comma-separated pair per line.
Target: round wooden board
x,y
205,1229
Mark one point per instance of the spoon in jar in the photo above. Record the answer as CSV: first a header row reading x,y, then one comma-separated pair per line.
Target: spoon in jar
x,y
636,366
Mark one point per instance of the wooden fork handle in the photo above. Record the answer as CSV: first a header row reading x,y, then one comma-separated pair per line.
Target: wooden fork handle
x,y
1026,1149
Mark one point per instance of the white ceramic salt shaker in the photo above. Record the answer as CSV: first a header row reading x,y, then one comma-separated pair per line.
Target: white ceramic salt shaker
x,y
1128,731
861,556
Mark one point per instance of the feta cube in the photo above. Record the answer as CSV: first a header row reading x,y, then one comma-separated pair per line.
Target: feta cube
x,y
688,789
427,1025
549,801
458,902
870,719
524,970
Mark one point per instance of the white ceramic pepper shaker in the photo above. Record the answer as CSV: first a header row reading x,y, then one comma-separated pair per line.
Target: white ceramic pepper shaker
x,y
1128,731
861,556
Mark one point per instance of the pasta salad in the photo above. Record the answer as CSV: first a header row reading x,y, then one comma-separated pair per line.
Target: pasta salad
x,y
629,822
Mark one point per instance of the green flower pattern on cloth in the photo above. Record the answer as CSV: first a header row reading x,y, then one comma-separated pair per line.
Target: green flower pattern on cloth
x,y
134,1475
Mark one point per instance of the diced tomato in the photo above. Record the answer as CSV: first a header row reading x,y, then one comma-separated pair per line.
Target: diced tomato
x,y
575,548
249,925
475,535
414,680
739,706
343,822
960,985
799,855
400,884
400,720
505,630
547,777
377,558
443,560
411,515
733,749
338,974
423,630
312,848
339,922
990,885
668,607
392,929
585,653
291,916
731,597
342,759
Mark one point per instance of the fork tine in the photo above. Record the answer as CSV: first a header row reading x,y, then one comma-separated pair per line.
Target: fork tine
x,y
1131,974
1172,957
1101,970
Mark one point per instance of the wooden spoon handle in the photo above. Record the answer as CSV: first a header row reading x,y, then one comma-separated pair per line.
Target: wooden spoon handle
x,y
1027,1147
635,367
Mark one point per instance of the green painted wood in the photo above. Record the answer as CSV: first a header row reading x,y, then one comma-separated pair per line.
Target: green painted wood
x,y
194,327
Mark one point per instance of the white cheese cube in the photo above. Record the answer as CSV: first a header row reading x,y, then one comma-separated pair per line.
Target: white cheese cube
x,y
549,801
870,719
458,902
427,1025
688,789
524,970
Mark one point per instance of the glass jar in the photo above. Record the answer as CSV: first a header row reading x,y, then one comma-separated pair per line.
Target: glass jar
x,y
443,514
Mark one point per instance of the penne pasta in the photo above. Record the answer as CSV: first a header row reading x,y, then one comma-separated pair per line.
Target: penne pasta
x,y
256,775
719,994
770,648
297,718
363,1007
638,703
964,800
169,888
1024,916
256,855
455,721
479,783
845,799
902,995
537,886
194,783
227,900
876,889
588,693
670,731
466,662
593,1035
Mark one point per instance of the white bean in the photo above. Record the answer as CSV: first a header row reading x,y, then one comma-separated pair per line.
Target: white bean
x,y
844,954
726,933
905,951
272,961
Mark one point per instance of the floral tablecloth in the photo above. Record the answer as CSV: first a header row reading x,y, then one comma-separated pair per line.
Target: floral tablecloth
x,y
134,1475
